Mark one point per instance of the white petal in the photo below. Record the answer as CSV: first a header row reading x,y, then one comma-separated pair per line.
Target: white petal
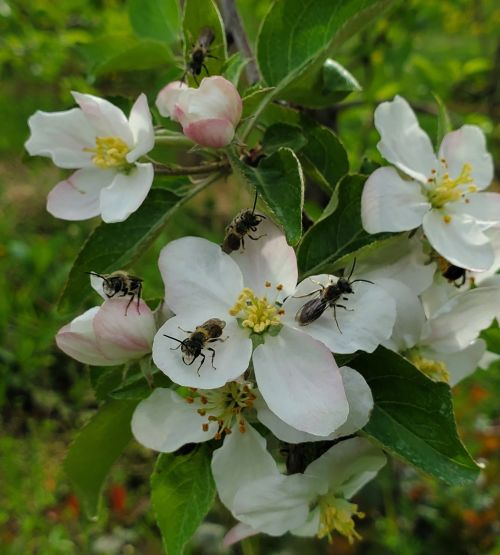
x,y
242,459
461,241
230,360
165,421
403,142
493,234
366,322
97,283
347,466
360,402
237,533
483,207
78,197
389,203
106,119
126,193
268,259
299,380
459,322
168,97
199,278
467,145
62,136
141,125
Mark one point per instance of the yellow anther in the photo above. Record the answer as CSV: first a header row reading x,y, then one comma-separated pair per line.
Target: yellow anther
x,y
257,313
110,152
447,218
448,190
337,514
436,370
268,284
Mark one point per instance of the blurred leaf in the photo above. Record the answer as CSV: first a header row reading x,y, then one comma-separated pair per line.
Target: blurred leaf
x,y
339,232
95,449
198,15
337,78
155,19
114,246
279,181
444,122
182,492
413,417
233,67
492,338
137,386
283,135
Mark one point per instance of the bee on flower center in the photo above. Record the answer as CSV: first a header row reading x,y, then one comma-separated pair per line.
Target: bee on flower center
x,y
121,284
199,52
327,297
245,222
192,347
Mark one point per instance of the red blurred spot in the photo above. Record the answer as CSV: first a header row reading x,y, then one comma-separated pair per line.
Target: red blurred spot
x,y
73,506
478,393
117,497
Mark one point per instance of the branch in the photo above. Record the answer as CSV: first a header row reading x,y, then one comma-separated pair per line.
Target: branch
x,y
191,170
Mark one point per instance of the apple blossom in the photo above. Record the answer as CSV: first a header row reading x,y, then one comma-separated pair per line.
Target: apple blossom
x,y
208,114
313,503
98,139
440,192
104,336
295,374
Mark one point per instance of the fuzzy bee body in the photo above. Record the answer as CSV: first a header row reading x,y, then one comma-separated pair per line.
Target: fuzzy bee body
x,y
245,222
121,284
456,275
192,347
199,52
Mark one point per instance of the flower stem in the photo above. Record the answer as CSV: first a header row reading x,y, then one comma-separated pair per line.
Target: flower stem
x,y
177,139
191,170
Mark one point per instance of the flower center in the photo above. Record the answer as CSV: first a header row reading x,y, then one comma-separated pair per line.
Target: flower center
x,y
443,189
337,514
436,370
224,406
110,152
257,313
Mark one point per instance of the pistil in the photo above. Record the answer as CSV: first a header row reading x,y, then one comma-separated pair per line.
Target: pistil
x,y
110,152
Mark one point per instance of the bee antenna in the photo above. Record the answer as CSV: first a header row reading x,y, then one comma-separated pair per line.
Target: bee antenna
x,y
365,280
352,269
255,201
174,338
98,275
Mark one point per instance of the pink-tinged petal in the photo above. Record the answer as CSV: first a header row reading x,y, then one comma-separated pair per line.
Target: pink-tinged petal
x,y
389,203
237,533
467,145
124,333
483,207
165,421
459,239
97,284
168,97
403,142
141,125
106,119
231,356
300,382
77,339
242,459
270,258
213,133
77,198
62,136
199,278
126,193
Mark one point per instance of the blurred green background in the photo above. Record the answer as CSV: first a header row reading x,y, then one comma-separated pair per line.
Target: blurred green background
x,y
419,48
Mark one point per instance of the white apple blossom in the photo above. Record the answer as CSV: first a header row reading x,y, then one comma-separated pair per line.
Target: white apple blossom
x,y
439,193
313,503
98,139
295,374
208,114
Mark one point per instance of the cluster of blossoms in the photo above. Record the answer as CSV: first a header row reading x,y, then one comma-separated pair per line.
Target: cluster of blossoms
x,y
246,345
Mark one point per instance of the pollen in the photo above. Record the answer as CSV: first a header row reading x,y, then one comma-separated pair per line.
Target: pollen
x,y
257,313
443,189
447,219
110,152
337,514
436,370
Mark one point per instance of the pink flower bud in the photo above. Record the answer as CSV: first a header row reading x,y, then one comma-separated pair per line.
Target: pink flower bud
x,y
208,114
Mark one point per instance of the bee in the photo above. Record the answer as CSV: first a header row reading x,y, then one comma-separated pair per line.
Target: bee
x,y
242,224
192,347
199,52
327,297
121,284
451,272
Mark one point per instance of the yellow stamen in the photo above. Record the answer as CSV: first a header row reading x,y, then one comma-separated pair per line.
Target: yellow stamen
x,y
110,152
337,514
447,218
436,370
448,190
257,313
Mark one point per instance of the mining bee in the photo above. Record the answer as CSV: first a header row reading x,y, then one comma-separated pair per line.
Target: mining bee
x,y
121,284
242,224
199,52
192,346
327,297
451,272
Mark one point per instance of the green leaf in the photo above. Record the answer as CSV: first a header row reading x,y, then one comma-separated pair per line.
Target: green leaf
x,y
95,449
283,135
233,67
492,337
339,232
413,417
182,492
155,19
115,246
279,181
199,14
444,123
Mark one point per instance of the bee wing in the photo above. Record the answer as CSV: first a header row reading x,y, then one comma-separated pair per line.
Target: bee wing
x,y
311,311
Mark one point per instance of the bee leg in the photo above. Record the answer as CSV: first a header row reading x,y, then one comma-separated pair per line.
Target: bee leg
x,y
175,349
202,361
139,292
210,56
256,238
205,68
185,331
335,317
345,307
213,356
130,302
